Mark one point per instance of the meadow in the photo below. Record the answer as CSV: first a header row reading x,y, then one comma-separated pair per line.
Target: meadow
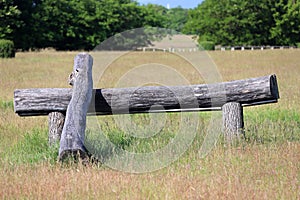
x,y
263,165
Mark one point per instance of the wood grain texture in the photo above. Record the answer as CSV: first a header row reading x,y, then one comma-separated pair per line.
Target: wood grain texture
x,y
56,122
72,138
254,91
233,120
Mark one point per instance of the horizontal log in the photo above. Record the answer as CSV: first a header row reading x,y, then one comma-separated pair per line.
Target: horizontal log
x,y
254,91
41,101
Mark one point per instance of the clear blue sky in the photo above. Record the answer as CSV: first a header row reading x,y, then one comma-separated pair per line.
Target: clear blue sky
x,y
173,3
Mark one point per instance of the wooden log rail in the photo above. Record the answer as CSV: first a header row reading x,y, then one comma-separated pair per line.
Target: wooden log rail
x,y
248,92
67,108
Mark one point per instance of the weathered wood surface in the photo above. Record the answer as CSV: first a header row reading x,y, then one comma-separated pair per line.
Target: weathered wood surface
x,y
233,120
72,138
56,124
41,101
254,91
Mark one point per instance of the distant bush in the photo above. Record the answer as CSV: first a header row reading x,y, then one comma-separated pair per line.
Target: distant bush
x,y
207,45
7,49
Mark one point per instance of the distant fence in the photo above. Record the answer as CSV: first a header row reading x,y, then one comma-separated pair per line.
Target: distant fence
x,y
252,48
170,49
217,48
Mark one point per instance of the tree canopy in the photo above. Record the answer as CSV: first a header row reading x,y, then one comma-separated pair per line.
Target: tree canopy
x,y
246,22
71,24
83,24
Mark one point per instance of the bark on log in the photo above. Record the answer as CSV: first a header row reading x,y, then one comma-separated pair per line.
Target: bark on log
x,y
261,90
56,124
41,101
72,139
233,121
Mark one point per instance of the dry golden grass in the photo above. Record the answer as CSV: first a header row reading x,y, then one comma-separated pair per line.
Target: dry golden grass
x,y
138,64
285,64
29,70
259,172
34,70
248,171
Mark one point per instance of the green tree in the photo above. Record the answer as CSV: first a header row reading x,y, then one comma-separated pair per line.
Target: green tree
x,y
65,24
155,15
287,22
72,24
177,18
126,20
9,17
25,34
233,22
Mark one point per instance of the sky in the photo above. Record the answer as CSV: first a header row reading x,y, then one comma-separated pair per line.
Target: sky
x,y
173,3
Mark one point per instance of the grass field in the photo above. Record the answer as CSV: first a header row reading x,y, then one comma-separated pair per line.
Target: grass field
x,y
264,165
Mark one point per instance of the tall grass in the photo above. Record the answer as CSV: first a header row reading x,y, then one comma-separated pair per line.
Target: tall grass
x,y
265,165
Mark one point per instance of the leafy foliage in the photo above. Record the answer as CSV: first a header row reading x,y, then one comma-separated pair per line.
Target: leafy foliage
x,y
7,49
177,18
73,24
238,22
287,27
10,15
70,25
207,45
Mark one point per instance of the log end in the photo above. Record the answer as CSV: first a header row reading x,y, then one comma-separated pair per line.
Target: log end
x,y
274,86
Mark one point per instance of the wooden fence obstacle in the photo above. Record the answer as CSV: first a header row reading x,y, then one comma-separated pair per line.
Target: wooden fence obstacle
x,y
67,109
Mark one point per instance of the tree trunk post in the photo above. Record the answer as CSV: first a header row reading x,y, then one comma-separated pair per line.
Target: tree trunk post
x,y
233,121
56,122
73,134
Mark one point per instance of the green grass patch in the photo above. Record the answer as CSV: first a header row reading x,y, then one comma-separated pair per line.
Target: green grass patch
x,y
272,125
32,148
264,127
273,115
6,105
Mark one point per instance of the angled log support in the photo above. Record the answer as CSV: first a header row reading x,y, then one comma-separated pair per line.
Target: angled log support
x,y
73,133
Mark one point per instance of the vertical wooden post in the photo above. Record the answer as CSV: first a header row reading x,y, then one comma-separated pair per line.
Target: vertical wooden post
x,y
56,122
233,121
72,138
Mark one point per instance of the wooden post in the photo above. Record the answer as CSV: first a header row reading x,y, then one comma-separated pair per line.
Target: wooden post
x,y
56,124
233,121
72,138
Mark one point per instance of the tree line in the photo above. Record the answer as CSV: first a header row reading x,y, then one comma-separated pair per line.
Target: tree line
x,y
77,24
83,24
246,22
